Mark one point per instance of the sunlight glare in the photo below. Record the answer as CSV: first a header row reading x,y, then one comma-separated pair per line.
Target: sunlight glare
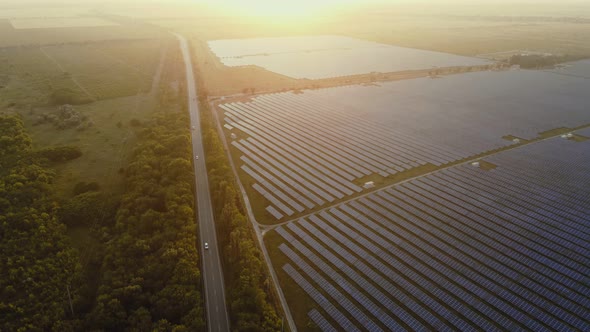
x,y
287,10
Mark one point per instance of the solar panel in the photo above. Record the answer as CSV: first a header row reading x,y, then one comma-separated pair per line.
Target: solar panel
x,y
320,321
462,248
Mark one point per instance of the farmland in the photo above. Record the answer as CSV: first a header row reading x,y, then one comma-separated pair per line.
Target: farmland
x,y
297,152
28,29
70,22
49,12
91,71
423,254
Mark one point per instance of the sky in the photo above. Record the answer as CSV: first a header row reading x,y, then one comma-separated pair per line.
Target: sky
x,y
293,9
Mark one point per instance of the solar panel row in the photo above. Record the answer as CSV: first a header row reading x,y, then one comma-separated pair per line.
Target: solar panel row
x,y
584,132
337,315
463,248
332,291
355,294
320,321
329,170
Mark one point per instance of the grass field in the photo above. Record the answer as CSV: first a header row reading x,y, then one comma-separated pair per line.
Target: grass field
x,y
121,81
105,145
94,71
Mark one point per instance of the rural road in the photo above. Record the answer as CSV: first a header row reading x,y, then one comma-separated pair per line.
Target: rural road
x,y
217,317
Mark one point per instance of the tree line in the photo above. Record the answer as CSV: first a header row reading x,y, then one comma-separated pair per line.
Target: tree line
x,y
249,298
37,263
534,61
150,275
142,273
138,271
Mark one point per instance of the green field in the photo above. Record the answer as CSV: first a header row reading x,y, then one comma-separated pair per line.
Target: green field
x,y
93,71
113,81
105,145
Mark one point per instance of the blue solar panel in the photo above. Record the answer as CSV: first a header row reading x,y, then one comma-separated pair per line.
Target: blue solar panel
x,y
464,248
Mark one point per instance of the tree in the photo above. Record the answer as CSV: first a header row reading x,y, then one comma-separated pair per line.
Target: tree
x,y
37,262
151,262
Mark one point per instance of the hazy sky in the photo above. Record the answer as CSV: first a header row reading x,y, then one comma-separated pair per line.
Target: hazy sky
x,y
294,9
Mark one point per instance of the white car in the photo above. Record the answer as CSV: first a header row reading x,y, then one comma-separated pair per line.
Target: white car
x,y
206,245
197,157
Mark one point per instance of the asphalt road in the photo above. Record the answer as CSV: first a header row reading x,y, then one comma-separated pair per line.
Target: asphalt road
x,y
217,317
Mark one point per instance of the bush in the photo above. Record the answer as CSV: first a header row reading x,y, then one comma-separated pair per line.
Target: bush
x,y
68,96
83,187
61,153
36,259
90,208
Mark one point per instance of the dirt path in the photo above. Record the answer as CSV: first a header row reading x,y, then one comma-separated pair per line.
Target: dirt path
x,y
158,74
58,65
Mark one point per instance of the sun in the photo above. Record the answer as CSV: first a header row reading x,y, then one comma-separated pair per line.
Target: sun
x,y
279,10
282,9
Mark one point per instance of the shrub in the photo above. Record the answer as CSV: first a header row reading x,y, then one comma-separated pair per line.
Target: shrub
x,y
68,96
61,153
83,187
89,208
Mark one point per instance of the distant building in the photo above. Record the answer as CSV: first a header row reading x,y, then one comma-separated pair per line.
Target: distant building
x,y
475,164
233,136
369,185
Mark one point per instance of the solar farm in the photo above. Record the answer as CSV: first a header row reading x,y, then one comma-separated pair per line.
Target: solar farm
x,y
460,249
446,203
319,57
303,151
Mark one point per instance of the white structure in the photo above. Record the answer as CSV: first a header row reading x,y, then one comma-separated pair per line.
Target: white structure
x,y
369,185
475,164
233,136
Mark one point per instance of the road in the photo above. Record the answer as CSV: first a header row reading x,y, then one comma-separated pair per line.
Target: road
x,y
288,317
217,317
